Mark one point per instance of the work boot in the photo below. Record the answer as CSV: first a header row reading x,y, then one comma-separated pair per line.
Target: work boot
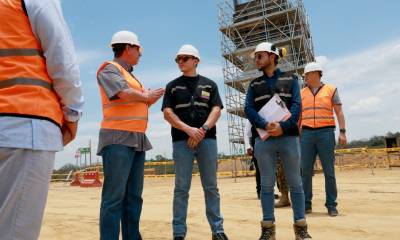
x,y
267,230
300,230
179,238
308,210
332,211
283,201
219,236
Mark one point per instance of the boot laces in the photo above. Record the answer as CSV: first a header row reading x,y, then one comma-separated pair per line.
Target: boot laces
x,y
266,233
302,232
220,236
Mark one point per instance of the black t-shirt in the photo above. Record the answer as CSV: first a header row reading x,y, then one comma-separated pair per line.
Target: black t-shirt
x,y
191,99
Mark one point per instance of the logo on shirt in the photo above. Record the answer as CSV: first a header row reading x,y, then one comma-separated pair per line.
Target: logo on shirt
x,y
205,95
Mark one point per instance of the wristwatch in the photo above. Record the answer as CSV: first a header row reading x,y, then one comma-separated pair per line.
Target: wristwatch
x,y
342,130
205,127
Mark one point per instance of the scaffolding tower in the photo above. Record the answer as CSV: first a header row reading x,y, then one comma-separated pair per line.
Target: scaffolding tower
x,y
243,25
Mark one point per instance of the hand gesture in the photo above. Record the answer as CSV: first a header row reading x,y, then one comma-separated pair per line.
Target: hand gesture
x,y
154,94
192,143
196,133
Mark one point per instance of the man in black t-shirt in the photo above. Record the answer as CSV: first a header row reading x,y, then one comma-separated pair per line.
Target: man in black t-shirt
x,y
192,106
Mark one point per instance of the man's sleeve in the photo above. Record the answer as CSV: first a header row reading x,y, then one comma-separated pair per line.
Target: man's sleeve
x,y
251,113
336,99
215,98
49,27
112,82
168,99
294,109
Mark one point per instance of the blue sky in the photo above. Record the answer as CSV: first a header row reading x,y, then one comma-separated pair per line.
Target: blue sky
x,y
357,41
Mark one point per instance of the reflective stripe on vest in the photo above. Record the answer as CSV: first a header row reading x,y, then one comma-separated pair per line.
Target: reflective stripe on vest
x,y
26,90
120,114
185,105
262,97
317,111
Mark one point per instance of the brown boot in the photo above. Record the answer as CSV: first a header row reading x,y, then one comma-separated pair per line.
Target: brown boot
x,y
300,230
283,201
267,230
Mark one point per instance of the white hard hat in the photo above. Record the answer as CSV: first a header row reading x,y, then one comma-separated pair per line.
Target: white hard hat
x,y
266,47
312,67
188,49
270,48
125,37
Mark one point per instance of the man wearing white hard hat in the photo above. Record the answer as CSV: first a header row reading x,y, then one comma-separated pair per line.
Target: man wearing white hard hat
x,y
192,105
283,138
122,138
319,102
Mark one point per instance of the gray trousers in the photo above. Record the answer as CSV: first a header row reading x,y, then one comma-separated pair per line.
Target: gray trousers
x,y
24,182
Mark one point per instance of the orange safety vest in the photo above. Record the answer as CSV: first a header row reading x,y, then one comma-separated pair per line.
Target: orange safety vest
x,y
26,89
317,111
121,114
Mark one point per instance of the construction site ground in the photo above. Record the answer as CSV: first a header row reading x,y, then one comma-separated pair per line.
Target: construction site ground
x,y
369,206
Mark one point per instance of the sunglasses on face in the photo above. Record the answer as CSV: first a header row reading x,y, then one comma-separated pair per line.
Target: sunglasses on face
x,y
183,59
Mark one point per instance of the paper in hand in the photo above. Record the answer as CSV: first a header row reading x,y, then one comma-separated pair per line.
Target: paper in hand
x,y
273,111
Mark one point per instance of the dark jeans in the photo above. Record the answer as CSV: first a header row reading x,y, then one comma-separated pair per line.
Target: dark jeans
x,y
266,154
121,199
321,142
207,160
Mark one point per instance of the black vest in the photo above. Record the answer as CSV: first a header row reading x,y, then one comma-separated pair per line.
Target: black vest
x,y
192,105
263,92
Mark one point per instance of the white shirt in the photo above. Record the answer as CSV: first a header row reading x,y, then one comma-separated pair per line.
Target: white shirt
x,y
50,28
247,135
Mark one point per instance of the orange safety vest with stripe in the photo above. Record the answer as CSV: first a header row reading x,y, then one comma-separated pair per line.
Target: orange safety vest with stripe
x,y
121,114
317,110
26,89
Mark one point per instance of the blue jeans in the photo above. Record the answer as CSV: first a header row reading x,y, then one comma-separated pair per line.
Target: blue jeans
x,y
266,153
206,155
121,199
321,142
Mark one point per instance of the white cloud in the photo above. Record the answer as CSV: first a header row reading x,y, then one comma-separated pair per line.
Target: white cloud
x,y
367,105
91,57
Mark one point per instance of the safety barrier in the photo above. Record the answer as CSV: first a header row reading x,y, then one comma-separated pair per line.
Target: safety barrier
x,y
91,179
239,166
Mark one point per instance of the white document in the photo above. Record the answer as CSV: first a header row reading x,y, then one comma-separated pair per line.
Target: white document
x,y
273,111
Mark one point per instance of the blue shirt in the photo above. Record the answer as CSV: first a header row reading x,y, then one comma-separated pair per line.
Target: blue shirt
x,y
49,27
258,121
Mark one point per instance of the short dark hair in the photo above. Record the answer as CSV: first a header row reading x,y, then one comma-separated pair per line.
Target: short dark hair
x,y
119,48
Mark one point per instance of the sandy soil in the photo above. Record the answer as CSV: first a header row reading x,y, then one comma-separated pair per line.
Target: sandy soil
x,y
369,207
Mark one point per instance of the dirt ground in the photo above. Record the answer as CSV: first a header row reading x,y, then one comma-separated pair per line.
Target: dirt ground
x,y
369,207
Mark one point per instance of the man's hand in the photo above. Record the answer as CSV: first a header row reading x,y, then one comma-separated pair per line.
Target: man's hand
x,y
153,95
274,129
342,139
192,143
195,133
69,130
269,126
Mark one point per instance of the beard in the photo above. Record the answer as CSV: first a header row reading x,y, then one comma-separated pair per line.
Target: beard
x,y
262,67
